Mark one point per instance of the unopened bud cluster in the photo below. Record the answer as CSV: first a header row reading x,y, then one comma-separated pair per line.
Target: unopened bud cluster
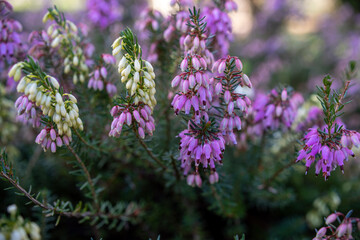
x,y
99,77
42,92
64,33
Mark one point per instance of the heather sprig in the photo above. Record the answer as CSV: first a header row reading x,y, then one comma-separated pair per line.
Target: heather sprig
x,y
196,90
331,145
66,38
331,100
137,74
201,144
59,111
136,108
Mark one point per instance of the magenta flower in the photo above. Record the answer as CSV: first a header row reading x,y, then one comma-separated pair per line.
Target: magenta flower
x,y
26,111
277,108
232,105
49,138
195,88
328,153
11,45
219,26
99,79
201,144
137,116
103,13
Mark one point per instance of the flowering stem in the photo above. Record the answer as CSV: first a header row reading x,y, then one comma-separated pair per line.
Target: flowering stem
x,y
342,95
173,162
268,182
88,177
156,159
88,144
56,210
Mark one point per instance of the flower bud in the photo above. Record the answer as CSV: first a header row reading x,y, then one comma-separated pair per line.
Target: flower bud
x,y
56,42
184,64
221,67
12,209
137,65
321,232
54,82
76,60
284,95
341,230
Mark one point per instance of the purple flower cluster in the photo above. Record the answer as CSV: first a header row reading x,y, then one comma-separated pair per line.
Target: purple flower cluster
x,y
196,91
201,97
48,138
232,104
103,13
11,46
148,26
276,109
26,111
179,23
98,78
40,42
197,148
328,152
219,26
182,2
136,116
343,231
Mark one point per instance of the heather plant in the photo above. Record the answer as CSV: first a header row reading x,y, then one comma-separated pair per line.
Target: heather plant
x,y
174,130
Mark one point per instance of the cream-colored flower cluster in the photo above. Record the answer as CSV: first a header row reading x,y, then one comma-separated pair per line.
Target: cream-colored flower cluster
x,y
17,228
66,35
137,74
44,92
